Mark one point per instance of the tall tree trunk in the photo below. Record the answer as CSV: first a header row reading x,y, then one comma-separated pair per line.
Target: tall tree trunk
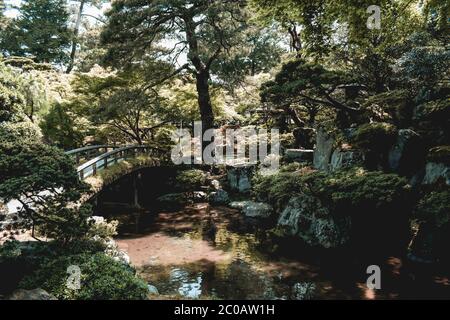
x,y
204,102
75,37
296,42
202,77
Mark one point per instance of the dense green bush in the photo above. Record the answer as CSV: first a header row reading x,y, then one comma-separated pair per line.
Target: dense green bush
x,y
375,137
351,191
190,180
277,189
125,167
363,191
18,259
102,278
397,103
434,208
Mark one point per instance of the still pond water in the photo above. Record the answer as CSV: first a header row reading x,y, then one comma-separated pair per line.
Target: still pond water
x,y
204,252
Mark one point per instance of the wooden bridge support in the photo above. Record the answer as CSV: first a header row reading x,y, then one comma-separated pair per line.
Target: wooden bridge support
x,y
136,178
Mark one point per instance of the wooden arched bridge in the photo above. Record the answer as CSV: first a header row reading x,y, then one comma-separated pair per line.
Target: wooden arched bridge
x,y
92,159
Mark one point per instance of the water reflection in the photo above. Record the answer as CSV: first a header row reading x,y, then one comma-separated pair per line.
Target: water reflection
x,y
187,286
203,252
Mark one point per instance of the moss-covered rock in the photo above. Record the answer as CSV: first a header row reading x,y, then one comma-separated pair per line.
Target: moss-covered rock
x,y
308,219
375,137
351,204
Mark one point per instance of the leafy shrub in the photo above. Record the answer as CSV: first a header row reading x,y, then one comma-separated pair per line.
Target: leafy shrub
x,y
287,140
396,103
120,169
360,191
102,278
191,180
375,137
18,259
102,229
435,208
277,189
350,191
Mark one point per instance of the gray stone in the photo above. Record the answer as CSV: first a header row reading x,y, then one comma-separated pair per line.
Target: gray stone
x,y
35,294
253,209
323,150
239,178
345,158
435,172
215,184
152,290
219,197
299,155
306,218
407,154
199,196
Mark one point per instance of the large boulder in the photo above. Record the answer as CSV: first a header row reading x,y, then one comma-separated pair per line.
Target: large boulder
x,y
36,294
407,154
342,159
219,197
435,172
152,290
253,209
306,218
323,150
239,178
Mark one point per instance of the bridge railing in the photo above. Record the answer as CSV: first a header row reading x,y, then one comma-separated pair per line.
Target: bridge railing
x,y
110,158
86,153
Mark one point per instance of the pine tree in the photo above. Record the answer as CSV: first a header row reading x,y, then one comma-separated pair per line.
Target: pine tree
x,y
40,31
